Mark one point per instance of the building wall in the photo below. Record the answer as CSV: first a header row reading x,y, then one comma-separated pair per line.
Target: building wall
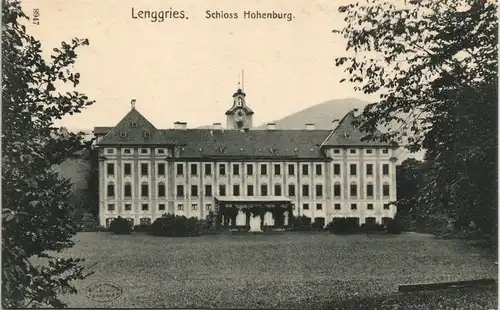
x,y
198,204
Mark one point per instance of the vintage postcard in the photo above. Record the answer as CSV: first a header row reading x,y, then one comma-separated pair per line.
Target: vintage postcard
x,y
251,154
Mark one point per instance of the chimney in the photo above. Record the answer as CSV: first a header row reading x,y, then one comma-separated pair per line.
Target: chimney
x,y
180,125
217,126
271,126
309,126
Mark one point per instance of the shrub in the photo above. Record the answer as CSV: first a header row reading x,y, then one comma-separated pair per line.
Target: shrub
x,y
343,226
317,226
142,228
394,227
120,226
371,227
175,226
95,229
301,223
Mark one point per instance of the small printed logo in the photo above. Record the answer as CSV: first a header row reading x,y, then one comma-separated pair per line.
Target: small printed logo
x,y
103,291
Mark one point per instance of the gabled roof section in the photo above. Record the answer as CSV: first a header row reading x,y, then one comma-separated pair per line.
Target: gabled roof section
x,y
133,129
346,134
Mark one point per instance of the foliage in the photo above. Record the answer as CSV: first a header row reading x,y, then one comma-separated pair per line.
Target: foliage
x,y
170,225
372,227
409,181
434,65
35,208
120,226
394,227
301,222
343,225
142,228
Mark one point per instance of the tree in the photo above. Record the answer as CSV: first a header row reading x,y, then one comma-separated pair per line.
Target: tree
x,y
434,66
36,208
409,180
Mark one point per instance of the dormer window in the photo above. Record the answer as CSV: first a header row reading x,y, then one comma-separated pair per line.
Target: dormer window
x,y
123,134
133,124
146,135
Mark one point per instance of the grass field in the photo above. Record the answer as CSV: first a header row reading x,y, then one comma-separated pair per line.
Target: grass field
x,y
288,270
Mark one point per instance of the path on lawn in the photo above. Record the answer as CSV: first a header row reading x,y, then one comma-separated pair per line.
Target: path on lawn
x,y
287,270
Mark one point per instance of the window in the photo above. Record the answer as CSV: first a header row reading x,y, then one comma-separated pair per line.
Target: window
x,y
385,169
369,206
180,191
194,190
180,169
208,190
160,151
222,169
277,169
111,169
336,190
305,206
353,169
145,207
161,169
305,190
369,190
263,169
263,190
111,207
180,207
336,151
336,169
305,169
110,151
291,190
161,190
111,190
386,206
127,151
354,206
236,190
385,151
144,169
236,169
194,169
161,207
144,151
369,151
249,169
385,190
249,190
277,190
144,190
127,190
337,206
370,220
319,206
222,190
145,221
127,169
291,169
194,207
293,206
352,151
369,169
319,169
208,207
208,169
354,190
128,207
319,190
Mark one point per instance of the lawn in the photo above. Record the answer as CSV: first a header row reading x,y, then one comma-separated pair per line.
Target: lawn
x,y
287,270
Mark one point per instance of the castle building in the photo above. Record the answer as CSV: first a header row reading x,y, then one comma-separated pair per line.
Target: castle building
x,y
145,172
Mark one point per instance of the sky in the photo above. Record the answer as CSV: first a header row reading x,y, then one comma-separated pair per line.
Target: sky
x,y
188,69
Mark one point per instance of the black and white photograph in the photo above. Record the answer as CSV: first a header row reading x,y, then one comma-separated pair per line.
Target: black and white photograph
x,y
184,154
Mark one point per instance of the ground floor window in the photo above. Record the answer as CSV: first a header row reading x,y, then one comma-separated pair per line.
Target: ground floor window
x,y
370,220
108,221
385,220
145,221
131,220
319,222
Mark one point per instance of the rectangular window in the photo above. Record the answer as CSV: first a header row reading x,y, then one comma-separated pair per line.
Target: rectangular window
x,y
194,207
305,206
111,169
194,190
291,169
208,207
336,190
249,190
369,151
385,151
222,190
354,206
144,190
111,190
336,169
127,169
263,190
319,190
222,169
208,169
369,206
336,151
180,207
352,151
161,169
277,190
160,151
110,151
263,169
208,190
319,206
236,190
127,151
354,190
128,207
111,207
161,190
127,190
385,169
386,206
180,191
144,151
369,190
249,169
236,169
319,169
277,169
353,169
161,207
145,207
144,169
385,190
180,169
305,190
369,169
337,206
194,169
305,169
291,190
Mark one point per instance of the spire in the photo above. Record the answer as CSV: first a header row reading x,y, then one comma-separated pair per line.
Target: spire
x,y
132,103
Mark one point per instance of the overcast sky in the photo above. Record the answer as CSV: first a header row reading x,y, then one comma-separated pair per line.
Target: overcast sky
x,y
188,69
